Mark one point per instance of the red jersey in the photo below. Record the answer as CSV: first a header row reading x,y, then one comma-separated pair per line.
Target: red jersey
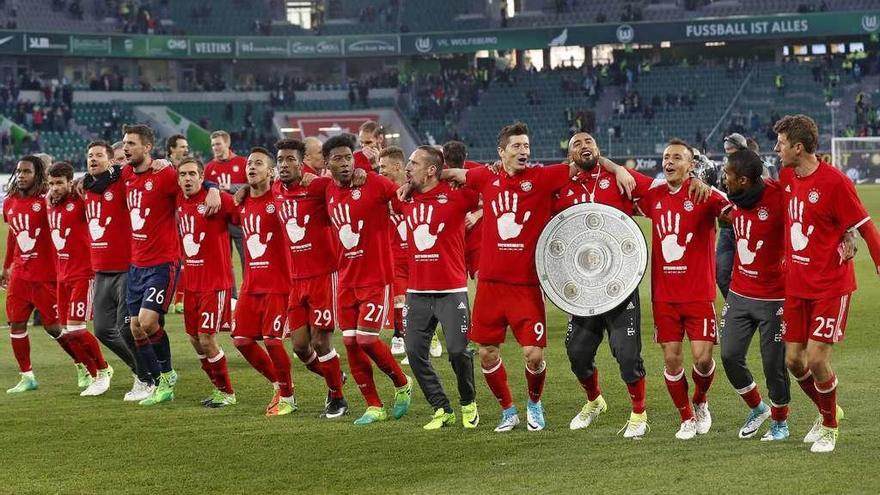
x,y
206,256
69,233
820,208
233,170
152,200
109,228
33,258
361,161
399,246
515,210
760,246
473,237
311,248
265,257
435,221
361,221
683,243
599,186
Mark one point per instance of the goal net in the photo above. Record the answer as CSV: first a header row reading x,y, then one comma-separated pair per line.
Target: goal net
x,y
858,158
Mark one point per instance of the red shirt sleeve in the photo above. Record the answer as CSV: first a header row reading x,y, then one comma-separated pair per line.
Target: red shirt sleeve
x,y
10,248
848,208
555,177
361,161
318,186
470,199
477,177
718,202
643,183
227,206
389,188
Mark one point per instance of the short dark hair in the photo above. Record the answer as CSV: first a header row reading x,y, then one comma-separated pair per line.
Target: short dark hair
x,y
338,141
681,142
455,153
260,149
746,163
515,129
171,142
435,156
752,145
192,159
144,131
101,144
61,169
291,144
799,129
393,152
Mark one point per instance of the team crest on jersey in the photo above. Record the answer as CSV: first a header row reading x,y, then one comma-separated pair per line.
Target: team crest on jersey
x,y
37,206
356,194
688,205
526,186
604,184
813,197
442,199
235,168
270,208
201,208
763,214
69,207
148,185
108,196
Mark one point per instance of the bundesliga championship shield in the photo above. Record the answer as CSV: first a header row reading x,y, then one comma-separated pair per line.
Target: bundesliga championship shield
x,y
590,258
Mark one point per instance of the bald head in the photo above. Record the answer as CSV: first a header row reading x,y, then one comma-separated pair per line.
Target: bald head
x,y
583,150
313,156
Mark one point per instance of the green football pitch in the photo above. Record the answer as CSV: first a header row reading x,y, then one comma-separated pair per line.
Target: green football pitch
x,y
53,441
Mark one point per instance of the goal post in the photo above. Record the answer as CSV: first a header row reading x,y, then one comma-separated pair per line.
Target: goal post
x,y
858,157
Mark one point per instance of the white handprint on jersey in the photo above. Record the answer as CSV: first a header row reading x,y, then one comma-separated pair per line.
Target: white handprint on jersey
x,y
93,213
743,230
55,224
400,225
420,223
187,233
342,219
135,198
295,231
505,213
668,231
252,228
21,226
799,238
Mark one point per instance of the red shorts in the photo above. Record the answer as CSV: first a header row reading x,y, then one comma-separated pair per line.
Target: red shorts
x,y
401,277
822,320
673,320
22,296
472,262
364,307
499,305
260,315
75,300
313,302
207,312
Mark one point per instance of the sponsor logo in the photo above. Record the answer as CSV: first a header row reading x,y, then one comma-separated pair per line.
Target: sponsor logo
x,y
213,47
372,46
870,23
128,45
5,40
625,33
177,44
788,189
423,45
252,47
560,39
43,43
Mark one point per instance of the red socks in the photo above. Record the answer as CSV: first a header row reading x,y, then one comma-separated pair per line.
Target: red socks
x,y
496,378
702,383
281,363
751,395
361,369
220,373
827,392
92,348
636,391
535,382
591,385
314,365
257,357
778,413
381,355
808,385
678,390
21,348
332,373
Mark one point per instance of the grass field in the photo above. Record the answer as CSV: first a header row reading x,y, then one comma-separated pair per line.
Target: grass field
x,y
53,441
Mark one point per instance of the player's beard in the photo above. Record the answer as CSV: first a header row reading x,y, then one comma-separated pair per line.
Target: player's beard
x,y
587,165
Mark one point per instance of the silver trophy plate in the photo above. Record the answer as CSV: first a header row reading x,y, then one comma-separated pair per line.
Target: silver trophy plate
x,y
590,258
